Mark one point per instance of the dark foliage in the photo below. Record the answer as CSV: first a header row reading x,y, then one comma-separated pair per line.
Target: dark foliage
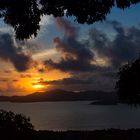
x,y
14,126
128,85
24,15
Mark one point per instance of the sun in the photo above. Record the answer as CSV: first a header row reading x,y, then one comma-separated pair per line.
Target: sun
x,y
38,86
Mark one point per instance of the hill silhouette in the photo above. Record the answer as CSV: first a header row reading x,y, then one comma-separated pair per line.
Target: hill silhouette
x,y
62,95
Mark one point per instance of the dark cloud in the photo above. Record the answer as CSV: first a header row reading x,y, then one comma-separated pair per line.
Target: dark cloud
x,y
7,71
75,54
15,80
41,70
110,74
3,79
79,57
8,80
84,81
124,47
21,62
25,76
39,81
68,81
10,52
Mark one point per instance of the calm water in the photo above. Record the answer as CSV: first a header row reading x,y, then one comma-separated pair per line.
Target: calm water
x,y
76,115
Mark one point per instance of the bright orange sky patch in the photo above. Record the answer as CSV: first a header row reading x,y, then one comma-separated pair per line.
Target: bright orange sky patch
x,y
28,82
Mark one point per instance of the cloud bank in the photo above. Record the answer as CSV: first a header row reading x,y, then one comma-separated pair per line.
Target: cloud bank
x,y
92,62
80,57
125,47
10,52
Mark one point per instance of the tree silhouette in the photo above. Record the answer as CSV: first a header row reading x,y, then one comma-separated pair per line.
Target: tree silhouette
x,y
14,125
24,15
128,85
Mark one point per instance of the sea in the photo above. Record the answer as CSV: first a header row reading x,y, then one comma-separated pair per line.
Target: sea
x,y
76,115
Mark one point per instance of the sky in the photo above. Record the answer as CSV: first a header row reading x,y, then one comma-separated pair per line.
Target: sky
x,y
70,56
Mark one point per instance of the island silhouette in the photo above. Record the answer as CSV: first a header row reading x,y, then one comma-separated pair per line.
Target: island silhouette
x,y
63,95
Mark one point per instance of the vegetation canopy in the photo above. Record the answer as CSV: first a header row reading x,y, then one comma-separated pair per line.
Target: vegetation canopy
x,y
128,85
12,123
24,15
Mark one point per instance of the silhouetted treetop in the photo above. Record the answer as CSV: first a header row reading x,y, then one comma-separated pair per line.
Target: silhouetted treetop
x,y
15,126
24,15
14,123
128,85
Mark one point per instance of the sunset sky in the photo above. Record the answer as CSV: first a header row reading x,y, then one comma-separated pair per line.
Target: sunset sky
x,y
67,55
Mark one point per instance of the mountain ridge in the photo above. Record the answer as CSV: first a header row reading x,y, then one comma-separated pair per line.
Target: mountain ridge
x,y
61,95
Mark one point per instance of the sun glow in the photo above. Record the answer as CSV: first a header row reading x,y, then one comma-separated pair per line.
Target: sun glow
x,y
28,82
38,86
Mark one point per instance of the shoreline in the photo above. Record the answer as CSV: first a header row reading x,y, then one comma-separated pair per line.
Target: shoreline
x,y
104,134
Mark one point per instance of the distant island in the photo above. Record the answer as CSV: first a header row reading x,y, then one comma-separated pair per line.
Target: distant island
x,y
104,102
62,95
